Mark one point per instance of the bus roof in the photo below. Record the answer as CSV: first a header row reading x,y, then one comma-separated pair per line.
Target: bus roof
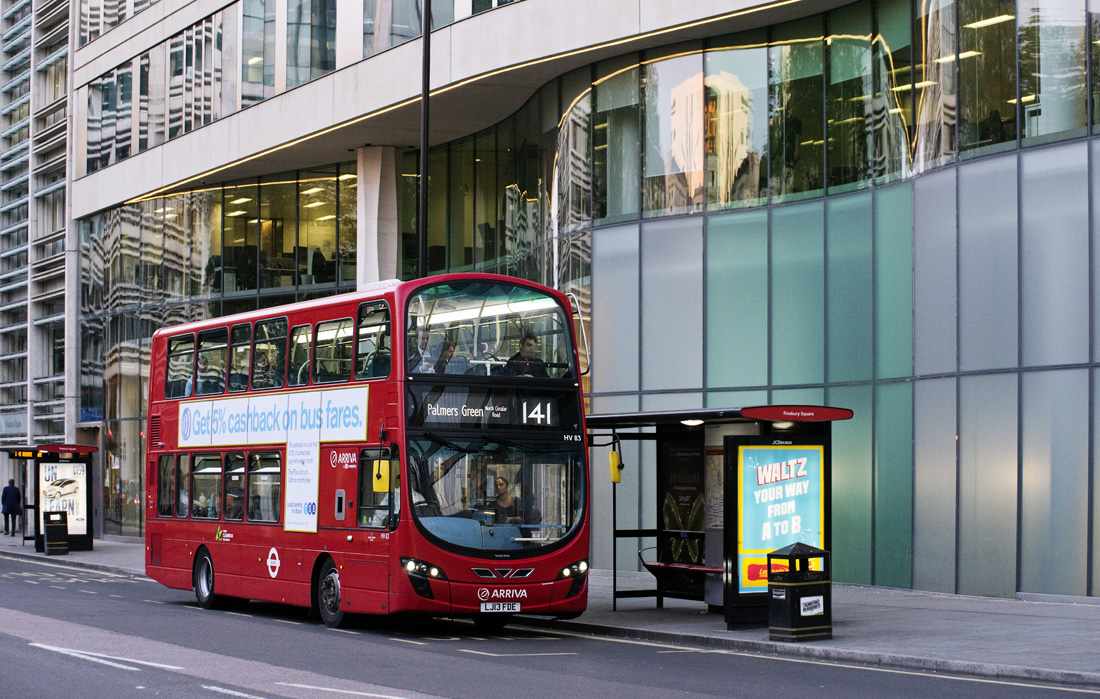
x,y
375,290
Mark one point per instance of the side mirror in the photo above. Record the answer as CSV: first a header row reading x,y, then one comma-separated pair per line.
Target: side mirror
x,y
616,464
380,476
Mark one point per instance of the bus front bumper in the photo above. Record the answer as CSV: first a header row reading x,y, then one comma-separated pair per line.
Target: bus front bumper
x,y
471,598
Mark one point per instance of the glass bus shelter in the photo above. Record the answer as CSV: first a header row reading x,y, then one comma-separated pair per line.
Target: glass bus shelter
x,y
728,487
56,478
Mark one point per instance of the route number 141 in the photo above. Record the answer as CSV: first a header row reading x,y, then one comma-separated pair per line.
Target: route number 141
x,y
536,412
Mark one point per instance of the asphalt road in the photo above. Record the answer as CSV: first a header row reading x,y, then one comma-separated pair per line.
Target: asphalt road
x,y
71,632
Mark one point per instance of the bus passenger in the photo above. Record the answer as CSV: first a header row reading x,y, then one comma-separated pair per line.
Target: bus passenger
x,y
378,363
445,354
238,371
524,362
234,509
420,356
506,507
209,381
211,378
263,373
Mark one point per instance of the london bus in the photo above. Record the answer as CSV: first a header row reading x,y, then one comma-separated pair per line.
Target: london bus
x,y
415,447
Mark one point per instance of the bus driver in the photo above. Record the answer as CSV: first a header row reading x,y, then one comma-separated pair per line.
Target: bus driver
x,y
524,362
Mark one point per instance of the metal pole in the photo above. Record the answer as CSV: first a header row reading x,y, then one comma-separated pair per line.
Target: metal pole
x,y
614,547
425,87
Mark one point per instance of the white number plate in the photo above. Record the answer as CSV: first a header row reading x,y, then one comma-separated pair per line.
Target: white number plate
x,y
500,606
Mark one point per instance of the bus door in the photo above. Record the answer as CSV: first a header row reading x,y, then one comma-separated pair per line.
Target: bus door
x,y
336,503
372,517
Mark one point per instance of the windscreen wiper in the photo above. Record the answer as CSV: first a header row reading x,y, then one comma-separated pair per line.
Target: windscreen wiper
x,y
449,444
504,440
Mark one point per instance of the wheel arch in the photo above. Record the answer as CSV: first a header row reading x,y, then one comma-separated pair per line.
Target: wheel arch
x,y
202,549
315,580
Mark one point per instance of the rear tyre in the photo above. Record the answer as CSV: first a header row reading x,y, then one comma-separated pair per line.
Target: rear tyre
x,y
492,622
328,595
202,581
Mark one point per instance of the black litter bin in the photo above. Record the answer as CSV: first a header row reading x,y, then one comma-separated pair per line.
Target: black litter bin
x,y
57,533
800,604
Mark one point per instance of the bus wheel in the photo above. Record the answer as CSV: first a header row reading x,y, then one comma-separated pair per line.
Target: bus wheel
x,y
202,580
492,622
328,595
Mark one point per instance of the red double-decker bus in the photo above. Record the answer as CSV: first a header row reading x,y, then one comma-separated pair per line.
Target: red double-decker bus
x,y
414,448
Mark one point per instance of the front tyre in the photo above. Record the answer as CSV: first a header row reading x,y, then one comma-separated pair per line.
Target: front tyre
x,y
328,595
202,581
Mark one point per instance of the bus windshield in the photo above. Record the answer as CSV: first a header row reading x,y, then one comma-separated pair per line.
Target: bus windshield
x,y
488,328
494,496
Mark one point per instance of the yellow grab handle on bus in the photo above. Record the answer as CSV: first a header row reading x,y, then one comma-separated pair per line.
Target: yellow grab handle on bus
x,y
380,478
616,467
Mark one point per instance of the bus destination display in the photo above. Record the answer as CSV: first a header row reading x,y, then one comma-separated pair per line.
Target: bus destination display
x,y
450,409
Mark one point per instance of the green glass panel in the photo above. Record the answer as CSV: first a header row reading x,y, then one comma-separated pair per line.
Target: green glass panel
x,y
894,484
894,280
797,284
737,299
849,288
852,486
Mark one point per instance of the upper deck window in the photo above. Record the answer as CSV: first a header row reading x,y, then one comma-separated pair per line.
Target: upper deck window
x,y
181,356
332,353
240,356
300,339
372,349
210,366
269,355
488,328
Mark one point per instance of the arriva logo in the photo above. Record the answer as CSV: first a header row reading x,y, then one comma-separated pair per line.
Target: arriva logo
x,y
485,593
345,459
185,424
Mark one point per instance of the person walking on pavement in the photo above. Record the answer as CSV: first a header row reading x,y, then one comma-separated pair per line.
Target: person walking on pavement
x,y
9,502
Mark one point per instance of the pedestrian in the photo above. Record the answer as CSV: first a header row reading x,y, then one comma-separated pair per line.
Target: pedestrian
x,y
10,500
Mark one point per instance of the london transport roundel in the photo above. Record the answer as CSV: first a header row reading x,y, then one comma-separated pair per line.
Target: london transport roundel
x,y
273,562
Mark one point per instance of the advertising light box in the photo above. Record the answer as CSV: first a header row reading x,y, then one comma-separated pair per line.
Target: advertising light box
x,y
779,488
63,487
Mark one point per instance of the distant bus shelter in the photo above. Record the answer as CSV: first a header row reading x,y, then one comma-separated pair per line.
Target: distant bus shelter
x,y
731,486
56,478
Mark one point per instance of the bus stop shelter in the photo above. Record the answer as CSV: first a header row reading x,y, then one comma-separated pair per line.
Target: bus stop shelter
x,y
56,478
731,485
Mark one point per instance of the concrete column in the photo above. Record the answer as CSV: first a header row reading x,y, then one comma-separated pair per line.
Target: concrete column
x,y
378,214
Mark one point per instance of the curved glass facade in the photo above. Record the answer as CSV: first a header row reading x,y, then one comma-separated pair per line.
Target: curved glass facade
x,y
239,247
887,207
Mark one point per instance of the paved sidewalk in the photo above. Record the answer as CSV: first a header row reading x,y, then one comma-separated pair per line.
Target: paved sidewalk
x,y
1054,641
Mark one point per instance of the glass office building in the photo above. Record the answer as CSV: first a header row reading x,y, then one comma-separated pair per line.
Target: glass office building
x,y
888,206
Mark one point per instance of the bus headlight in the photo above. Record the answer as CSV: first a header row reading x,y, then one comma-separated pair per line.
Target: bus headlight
x,y
577,569
578,574
420,574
